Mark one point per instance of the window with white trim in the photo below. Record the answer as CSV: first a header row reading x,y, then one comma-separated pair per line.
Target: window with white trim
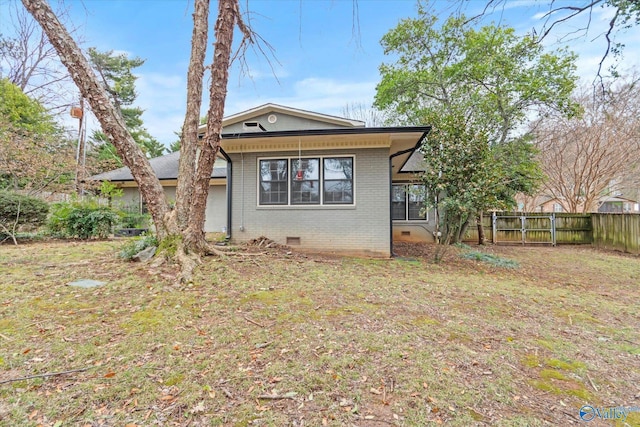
x,y
407,202
306,181
273,182
338,180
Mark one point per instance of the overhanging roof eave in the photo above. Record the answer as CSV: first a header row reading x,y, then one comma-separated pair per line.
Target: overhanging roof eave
x,y
333,131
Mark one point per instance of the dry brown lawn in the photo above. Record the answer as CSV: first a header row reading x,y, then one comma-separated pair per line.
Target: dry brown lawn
x,y
282,338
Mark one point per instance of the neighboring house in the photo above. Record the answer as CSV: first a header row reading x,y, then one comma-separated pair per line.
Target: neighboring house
x,y
311,180
166,169
606,204
618,204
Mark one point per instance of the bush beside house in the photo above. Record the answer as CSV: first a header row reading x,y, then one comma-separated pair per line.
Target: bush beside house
x,y
81,219
20,213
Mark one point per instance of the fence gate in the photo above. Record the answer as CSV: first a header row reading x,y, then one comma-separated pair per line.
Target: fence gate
x,y
524,228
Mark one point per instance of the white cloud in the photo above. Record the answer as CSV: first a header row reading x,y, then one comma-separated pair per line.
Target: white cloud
x,y
328,96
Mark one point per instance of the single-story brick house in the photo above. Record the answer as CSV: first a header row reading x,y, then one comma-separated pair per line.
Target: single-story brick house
x,y
309,180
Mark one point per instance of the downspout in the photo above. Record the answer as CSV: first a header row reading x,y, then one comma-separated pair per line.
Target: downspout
x,y
229,193
391,205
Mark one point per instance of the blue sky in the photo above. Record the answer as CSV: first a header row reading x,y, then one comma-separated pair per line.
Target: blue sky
x,y
320,62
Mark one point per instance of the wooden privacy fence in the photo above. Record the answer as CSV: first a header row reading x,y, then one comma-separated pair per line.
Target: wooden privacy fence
x,y
552,228
603,230
620,232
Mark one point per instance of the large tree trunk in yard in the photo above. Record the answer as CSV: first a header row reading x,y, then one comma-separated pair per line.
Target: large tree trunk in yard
x,y
185,224
108,115
189,138
228,14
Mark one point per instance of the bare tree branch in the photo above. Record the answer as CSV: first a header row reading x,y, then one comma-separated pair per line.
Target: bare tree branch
x,y
593,156
31,61
560,14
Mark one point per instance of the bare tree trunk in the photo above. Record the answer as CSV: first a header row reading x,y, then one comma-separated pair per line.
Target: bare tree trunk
x,y
107,114
228,16
481,236
186,222
189,139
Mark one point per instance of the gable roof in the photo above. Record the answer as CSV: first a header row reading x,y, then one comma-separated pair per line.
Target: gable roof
x,y
275,108
618,198
403,141
165,167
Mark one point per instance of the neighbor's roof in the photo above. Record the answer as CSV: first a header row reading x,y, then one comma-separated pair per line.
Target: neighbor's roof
x,y
618,198
165,167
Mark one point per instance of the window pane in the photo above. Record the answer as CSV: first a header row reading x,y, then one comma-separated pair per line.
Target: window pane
x,y
305,181
338,192
273,182
399,203
416,202
338,180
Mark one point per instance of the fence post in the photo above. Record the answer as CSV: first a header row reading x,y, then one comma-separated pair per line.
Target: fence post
x,y
494,227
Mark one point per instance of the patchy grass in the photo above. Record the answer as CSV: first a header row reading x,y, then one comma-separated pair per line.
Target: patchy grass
x,y
280,338
490,259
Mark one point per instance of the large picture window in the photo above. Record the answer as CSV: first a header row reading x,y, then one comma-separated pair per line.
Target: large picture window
x,y
407,202
306,181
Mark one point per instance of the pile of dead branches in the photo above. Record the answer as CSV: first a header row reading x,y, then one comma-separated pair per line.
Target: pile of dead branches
x,y
264,242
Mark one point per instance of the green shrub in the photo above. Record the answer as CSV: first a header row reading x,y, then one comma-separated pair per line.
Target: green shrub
x,y
58,216
169,245
82,219
137,244
133,220
23,211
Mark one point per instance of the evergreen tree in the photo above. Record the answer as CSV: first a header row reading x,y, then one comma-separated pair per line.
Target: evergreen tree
x,y
115,71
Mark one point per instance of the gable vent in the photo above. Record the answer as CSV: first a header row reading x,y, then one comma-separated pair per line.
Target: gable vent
x,y
253,127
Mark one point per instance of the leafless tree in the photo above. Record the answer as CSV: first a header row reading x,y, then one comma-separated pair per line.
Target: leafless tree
x,y
594,155
562,14
186,232
368,114
30,62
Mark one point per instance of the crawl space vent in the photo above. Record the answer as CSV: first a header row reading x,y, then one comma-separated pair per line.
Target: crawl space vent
x,y
293,241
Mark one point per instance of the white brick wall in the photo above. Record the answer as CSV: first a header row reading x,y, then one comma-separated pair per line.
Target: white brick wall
x,y
360,229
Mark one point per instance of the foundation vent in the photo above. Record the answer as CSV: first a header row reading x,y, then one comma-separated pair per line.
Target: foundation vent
x,y
293,241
